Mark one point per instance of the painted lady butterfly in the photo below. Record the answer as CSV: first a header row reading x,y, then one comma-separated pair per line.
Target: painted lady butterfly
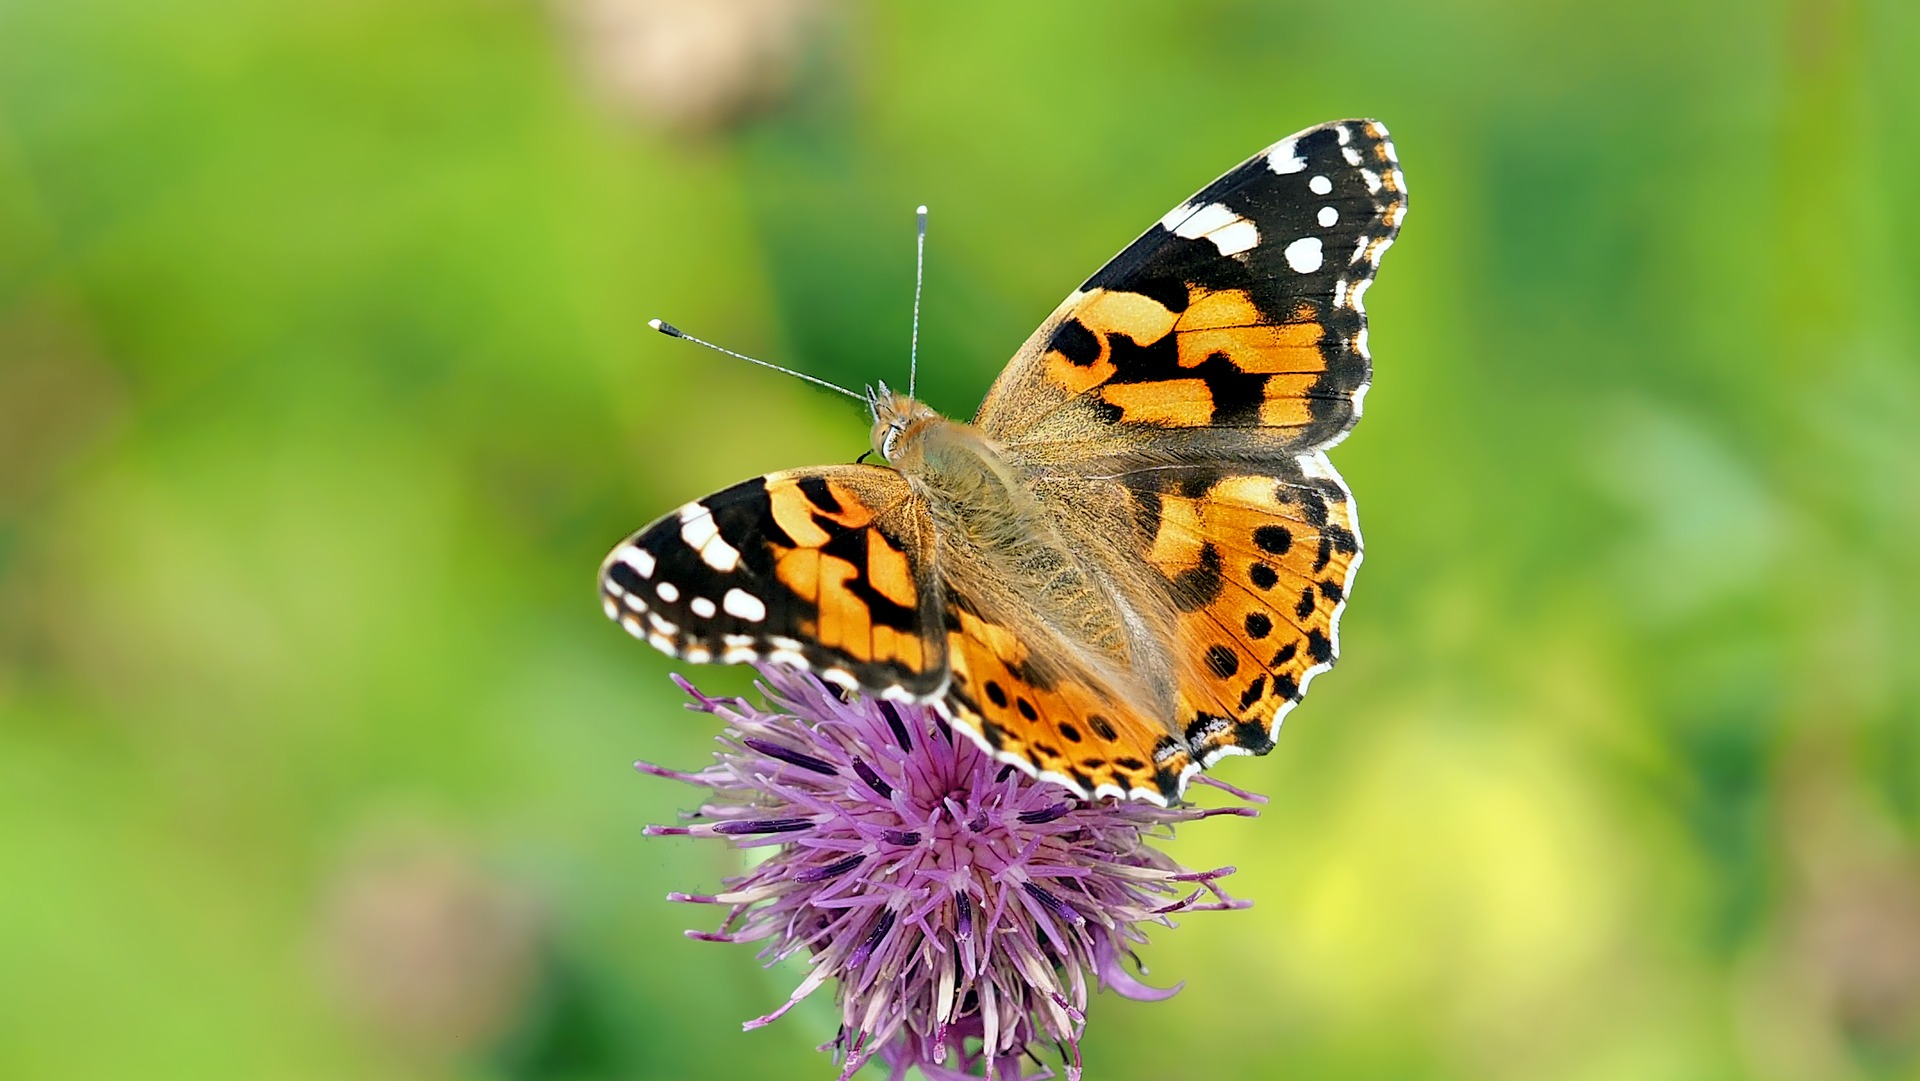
x,y
1133,561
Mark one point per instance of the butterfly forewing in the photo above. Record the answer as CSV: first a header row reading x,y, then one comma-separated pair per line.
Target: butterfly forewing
x,y
1234,325
825,569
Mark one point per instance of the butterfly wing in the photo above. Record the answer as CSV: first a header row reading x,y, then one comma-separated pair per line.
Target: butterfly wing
x,y
1053,717
1233,328
1258,566
826,569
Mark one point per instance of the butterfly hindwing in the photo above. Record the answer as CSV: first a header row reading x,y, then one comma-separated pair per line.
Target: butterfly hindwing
x,y
825,569
1055,718
1239,310
1259,565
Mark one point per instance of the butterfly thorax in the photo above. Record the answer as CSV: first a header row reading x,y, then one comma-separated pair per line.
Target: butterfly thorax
x,y
991,527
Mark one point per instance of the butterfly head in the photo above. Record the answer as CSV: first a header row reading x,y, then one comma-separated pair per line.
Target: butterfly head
x,y
897,418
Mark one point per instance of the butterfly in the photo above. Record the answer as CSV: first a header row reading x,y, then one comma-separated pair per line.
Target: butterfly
x,y
1134,559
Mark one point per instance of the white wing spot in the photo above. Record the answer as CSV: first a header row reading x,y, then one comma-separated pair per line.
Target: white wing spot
x,y
1205,220
668,592
1239,237
701,535
1373,181
1353,156
703,607
1303,255
1320,185
1230,232
1328,217
744,605
1283,158
639,559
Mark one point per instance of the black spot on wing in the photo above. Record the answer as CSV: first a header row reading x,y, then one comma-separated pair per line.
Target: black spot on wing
x,y
1318,647
1075,342
1103,411
1341,539
1255,691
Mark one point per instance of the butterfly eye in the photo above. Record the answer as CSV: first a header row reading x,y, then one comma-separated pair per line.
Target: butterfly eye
x,y
886,444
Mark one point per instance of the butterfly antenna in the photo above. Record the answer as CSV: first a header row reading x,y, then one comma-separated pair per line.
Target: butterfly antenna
x,y
919,276
672,331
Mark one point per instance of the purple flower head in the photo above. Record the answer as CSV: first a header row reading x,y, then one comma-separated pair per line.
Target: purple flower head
x,y
961,909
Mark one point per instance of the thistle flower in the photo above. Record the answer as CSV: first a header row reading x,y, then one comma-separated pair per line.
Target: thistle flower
x,y
961,908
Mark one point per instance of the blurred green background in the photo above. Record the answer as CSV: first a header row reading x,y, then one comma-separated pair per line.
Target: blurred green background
x,y
325,383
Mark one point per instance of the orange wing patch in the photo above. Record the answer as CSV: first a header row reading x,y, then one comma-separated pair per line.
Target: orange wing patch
x,y
859,581
1067,729
1217,361
1227,321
